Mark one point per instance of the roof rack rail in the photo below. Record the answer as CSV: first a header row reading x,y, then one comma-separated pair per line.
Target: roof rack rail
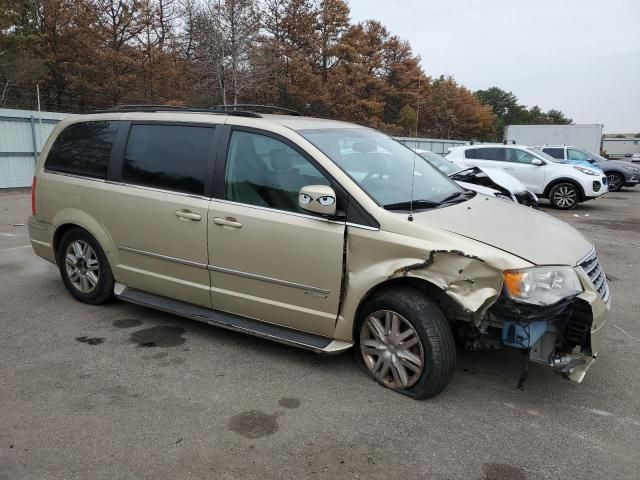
x,y
145,108
244,107
173,108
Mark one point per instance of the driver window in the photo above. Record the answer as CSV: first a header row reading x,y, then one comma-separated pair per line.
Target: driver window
x,y
577,155
519,156
264,171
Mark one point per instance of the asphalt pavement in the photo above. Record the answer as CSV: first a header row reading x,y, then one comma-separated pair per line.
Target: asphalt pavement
x,y
123,392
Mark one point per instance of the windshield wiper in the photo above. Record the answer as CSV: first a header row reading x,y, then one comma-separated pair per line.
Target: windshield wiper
x,y
456,196
417,204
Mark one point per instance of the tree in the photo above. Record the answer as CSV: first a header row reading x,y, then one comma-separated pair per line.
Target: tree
x,y
408,119
332,21
454,112
509,112
301,54
114,62
558,118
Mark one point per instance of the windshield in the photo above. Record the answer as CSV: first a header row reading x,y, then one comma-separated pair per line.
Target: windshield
x,y
546,156
439,162
383,167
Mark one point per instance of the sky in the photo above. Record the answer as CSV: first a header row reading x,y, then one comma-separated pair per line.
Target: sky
x,y
578,56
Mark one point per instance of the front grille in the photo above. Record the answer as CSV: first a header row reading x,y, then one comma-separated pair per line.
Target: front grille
x,y
596,186
592,267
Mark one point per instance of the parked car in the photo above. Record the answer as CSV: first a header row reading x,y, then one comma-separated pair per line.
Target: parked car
x,y
564,185
488,181
619,174
258,223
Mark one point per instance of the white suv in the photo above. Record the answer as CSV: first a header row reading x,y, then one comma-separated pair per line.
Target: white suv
x,y
564,185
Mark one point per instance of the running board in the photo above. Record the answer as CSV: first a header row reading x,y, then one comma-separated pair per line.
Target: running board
x,y
288,336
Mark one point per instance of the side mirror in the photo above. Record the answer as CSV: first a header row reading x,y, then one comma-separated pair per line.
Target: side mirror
x,y
537,161
318,199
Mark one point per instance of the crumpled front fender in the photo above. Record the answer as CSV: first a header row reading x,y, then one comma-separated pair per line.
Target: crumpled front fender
x,y
469,272
467,279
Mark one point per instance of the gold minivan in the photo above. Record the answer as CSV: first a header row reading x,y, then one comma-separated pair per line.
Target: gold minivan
x,y
315,233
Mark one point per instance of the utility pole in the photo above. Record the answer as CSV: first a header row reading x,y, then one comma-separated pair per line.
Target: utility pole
x,y
39,115
418,104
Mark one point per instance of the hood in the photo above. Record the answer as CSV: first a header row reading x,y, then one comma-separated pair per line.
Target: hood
x,y
478,188
617,164
504,179
490,178
527,233
583,163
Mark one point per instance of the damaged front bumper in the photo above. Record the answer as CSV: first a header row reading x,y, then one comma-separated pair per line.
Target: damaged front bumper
x,y
566,336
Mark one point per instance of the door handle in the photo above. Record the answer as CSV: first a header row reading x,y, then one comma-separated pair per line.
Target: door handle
x,y
227,222
185,215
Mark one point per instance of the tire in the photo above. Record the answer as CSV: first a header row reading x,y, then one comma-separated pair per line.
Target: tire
x,y
84,268
615,181
564,196
383,358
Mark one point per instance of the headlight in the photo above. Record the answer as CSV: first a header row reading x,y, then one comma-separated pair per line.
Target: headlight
x,y
542,285
588,171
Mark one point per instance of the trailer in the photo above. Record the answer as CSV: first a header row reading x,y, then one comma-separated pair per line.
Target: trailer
x,y
585,136
621,147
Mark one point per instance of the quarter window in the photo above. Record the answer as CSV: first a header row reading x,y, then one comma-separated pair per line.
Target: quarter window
x,y
83,149
170,157
266,172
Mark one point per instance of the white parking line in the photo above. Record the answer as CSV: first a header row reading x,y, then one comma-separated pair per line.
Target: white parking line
x,y
612,242
7,234
625,332
14,248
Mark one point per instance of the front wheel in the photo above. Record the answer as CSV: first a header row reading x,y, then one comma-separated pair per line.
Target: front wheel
x,y
615,181
405,343
564,196
84,267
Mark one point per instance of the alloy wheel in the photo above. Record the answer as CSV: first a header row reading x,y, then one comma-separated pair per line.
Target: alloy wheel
x,y
82,266
391,349
565,196
614,182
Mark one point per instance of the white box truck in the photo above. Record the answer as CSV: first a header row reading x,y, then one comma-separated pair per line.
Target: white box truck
x,y
586,136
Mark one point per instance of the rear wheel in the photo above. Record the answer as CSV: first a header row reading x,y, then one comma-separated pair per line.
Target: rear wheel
x,y
84,267
564,196
405,343
615,181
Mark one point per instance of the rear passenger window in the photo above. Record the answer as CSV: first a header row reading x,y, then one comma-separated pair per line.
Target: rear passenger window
x,y
170,157
496,154
83,149
555,152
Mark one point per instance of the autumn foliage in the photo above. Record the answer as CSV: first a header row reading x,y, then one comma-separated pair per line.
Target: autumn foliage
x,y
300,54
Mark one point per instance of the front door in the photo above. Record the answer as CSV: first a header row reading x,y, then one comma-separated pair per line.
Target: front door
x,y
519,165
270,260
156,210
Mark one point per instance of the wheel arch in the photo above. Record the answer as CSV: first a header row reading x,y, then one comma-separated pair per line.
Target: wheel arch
x,y
557,181
616,172
67,220
449,307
